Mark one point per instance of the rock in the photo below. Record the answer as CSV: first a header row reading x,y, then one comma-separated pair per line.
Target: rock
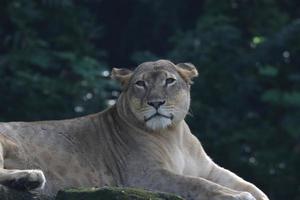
x,y
106,193
113,193
11,194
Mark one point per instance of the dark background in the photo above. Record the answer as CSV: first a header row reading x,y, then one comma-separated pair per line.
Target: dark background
x,y
55,56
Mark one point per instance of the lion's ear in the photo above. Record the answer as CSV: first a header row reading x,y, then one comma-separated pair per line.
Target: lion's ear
x,y
121,75
187,71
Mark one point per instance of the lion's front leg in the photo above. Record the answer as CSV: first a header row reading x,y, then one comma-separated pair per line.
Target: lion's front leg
x,y
190,188
209,170
15,178
229,179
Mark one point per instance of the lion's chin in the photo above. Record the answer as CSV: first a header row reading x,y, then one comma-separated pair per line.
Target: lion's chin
x,y
158,123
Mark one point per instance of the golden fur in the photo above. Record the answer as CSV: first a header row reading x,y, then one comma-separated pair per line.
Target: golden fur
x,y
142,141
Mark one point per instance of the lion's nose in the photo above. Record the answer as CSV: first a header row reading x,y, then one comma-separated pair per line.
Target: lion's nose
x,y
156,104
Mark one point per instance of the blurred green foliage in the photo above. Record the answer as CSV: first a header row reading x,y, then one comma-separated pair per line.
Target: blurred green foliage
x,y
245,104
49,66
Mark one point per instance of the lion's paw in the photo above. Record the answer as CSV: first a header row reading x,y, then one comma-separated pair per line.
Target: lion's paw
x,y
245,196
26,180
38,177
263,198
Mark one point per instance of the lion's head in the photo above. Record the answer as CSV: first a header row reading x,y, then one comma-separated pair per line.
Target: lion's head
x,y
156,93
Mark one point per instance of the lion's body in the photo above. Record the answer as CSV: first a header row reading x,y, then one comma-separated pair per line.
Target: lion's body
x,y
142,141
62,150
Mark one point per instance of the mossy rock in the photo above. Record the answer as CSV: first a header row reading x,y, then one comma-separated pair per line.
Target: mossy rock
x,y
113,193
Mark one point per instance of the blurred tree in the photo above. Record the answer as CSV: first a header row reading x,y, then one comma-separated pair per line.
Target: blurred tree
x,y
49,67
140,26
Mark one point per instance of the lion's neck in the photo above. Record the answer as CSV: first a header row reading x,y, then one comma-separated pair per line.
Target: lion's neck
x,y
126,115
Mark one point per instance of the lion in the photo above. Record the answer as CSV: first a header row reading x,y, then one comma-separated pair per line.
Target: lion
x,y
142,141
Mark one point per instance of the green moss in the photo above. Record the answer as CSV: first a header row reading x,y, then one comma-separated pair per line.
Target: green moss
x,y
113,193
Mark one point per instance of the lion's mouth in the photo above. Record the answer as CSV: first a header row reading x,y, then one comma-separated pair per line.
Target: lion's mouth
x,y
157,114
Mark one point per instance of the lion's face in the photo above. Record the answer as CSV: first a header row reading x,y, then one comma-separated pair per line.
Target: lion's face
x,y
158,97
158,93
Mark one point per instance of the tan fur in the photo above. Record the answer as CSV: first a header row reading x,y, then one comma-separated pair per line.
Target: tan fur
x,y
187,70
120,147
122,75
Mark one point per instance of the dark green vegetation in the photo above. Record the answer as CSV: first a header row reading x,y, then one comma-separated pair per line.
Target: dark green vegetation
x,y
113,193
245,104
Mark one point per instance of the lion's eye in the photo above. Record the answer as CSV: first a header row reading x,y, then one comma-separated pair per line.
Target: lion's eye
x,y
140,83
169,81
